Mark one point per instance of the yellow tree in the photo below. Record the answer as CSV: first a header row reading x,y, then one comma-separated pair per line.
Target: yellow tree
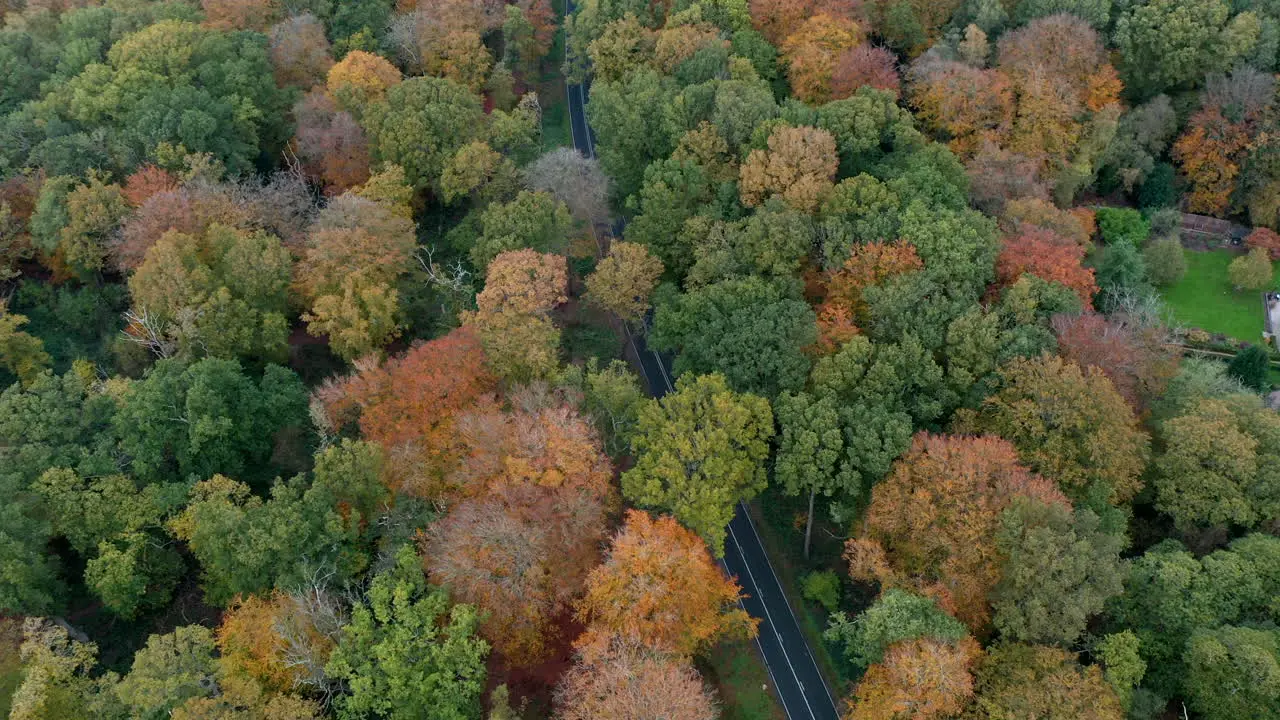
x,y
624,280
799,166
919,679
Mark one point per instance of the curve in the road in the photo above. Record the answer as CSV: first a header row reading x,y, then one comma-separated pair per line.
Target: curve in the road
x,y
797,682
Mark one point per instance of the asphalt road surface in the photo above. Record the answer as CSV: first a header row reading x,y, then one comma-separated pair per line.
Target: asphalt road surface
x,y
796,681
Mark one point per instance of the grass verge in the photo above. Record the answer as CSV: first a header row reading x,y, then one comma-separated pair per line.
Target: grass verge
x,y
1204,298
741,681
10,663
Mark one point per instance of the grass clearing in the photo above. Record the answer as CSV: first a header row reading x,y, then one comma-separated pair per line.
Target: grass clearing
x,y
1204,298
741,682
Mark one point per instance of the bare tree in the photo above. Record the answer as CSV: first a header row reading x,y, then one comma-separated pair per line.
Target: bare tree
x,y
575,180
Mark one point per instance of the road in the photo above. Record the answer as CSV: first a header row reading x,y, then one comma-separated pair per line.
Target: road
x,y
797,683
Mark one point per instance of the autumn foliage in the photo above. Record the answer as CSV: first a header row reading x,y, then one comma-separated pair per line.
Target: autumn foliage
x,y
409,403
660,588
1265,238
361,78
864,65
1133,355
931,524
811,53
921,679
1048,256
799,166
629,682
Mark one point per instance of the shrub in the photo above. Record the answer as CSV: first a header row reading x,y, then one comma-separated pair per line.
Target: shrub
x,y
1159,190
1123,225
823,588
1251,366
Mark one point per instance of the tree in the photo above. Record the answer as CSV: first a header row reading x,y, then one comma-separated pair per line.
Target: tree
x,y
918,679
1264,238
896,616
1122,666
476,171
524,282
1165,260
171,669
811,51
1233,672
246,545
60,677
1216,467
220,294
799,165
1169,44
420,124
94,210
779,19
360,79
330,143
300,52
1252,367
658,587
931,524
407,653
632,683
1251,271
207,91
864,66
1096,12
533,220
1059,571
1042,682
1130,351
21,353
512,323
1069,425
573,179
241,14
750,330
206,418
520,545
623,281
1076,225
1123,226
409,405
699,452
1049,257
961,104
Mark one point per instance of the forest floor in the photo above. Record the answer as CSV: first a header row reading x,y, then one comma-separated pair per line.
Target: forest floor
x,y
1205,299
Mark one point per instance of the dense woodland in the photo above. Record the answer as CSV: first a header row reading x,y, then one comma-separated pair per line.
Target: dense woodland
x,y
317,405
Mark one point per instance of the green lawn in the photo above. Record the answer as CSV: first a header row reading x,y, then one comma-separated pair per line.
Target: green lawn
x,y
1204,299
741,681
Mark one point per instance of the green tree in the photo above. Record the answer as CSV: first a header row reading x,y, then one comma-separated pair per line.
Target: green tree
x,y
247,545
171,669
534,220
1123,225
628,118
1059,571
1220,465
699,452
1252,367
207,418
407,653
420,124
223,293
178,86
895,616
1096,12
752,331
1167,44
1030,681
1122,665
21,353
1165,260
133,571
1233,673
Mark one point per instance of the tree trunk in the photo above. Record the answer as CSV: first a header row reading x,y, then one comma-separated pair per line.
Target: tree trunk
x,y
808,528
